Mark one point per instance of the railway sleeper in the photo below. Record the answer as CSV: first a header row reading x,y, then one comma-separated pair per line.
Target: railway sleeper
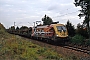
x,y
88,52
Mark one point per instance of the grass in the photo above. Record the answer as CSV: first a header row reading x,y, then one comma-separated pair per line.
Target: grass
x,y
17,48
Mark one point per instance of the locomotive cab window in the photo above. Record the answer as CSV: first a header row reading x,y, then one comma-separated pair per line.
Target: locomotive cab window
x,y
60,28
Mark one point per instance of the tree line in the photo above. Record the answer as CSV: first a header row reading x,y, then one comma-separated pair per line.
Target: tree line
x,y
70,27
82,29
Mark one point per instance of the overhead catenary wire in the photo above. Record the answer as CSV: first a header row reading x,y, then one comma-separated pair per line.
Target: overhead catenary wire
x,y
65,14
65,10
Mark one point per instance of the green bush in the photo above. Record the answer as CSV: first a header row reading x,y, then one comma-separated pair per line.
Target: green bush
x,y
77,39
2,31
88,42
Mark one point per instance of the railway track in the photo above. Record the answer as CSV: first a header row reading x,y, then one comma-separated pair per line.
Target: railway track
x,y
66,50
78,49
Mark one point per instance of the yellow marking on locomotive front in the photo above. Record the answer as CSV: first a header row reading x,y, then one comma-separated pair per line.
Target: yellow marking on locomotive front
x,y
62,33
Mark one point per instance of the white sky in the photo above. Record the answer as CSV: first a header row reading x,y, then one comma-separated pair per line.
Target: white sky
x,y
25,12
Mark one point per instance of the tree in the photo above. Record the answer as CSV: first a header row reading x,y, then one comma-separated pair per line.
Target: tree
x,y
70,28
17,28
46,20
23,28
85,11
1,26
12,28
80,29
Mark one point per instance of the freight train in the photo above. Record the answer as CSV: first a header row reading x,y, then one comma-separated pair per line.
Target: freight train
x,y
53,32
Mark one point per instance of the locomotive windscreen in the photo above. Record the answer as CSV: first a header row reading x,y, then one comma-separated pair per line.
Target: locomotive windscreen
x,y
60,28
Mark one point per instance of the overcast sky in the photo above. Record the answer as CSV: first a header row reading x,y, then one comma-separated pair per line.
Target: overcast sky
x,y
25,12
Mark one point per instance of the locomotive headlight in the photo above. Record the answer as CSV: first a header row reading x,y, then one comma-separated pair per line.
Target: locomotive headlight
x,y
56,35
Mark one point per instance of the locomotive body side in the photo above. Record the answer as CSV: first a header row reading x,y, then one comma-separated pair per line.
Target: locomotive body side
x,y
41,32
55,32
